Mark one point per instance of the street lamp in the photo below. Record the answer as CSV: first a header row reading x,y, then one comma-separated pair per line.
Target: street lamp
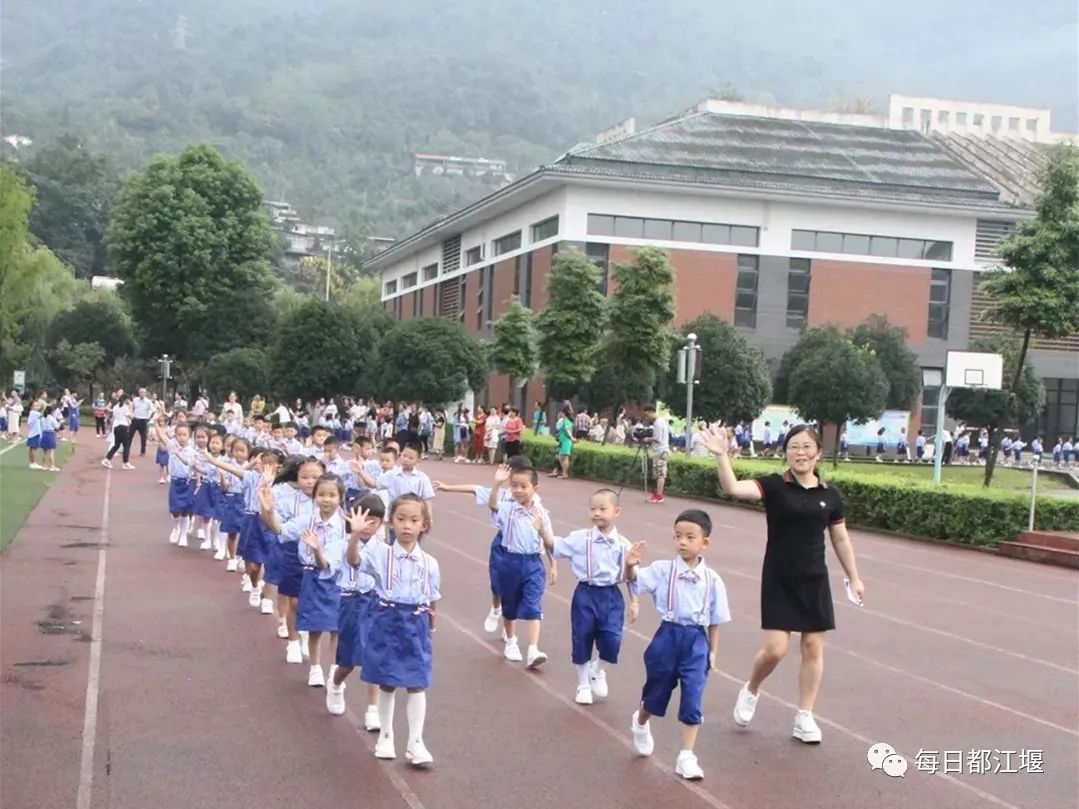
x,y
165,364
689,369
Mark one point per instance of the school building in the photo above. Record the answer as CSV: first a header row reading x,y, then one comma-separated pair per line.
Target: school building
x,y
775,220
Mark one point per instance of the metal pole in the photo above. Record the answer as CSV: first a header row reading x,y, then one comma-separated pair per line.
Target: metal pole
x,y
164,377
691,368
1033,494
938,443
329,269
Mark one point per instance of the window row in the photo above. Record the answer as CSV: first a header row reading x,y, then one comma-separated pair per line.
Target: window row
x,y
672,230
823,241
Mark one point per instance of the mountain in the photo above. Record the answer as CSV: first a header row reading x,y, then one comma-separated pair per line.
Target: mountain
x,y
327,100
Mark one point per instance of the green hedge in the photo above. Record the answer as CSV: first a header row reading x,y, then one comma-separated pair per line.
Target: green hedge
x,y
969,515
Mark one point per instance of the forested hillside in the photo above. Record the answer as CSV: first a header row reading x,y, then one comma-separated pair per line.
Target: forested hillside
x,y
327,99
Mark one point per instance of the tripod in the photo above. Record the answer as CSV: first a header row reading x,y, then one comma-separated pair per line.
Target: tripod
x,y
642,455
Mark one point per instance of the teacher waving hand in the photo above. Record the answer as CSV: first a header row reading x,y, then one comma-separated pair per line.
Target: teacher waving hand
x,y
795,594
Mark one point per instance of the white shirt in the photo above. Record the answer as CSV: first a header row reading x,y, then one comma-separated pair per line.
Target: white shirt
x,y
283,414
121,416
661,437
235,408
200,406
142,407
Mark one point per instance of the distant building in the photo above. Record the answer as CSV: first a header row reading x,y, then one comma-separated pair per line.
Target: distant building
x,y
449,165
775,219
18,141
300,240
105,282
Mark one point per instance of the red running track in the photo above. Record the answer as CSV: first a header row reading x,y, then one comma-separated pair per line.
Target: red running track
x,y
195,706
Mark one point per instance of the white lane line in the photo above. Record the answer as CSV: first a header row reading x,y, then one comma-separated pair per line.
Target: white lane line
x,y
399,783
6,450
93,677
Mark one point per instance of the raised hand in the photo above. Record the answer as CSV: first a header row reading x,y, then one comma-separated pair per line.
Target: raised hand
x,y
717,443
266,497
310,539
502,474
437,485
635,553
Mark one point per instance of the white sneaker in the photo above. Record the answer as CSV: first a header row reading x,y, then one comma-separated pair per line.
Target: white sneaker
x,y
806,728
174,537
129,466
584,695
384,747
599,684
201,533
161,481
331,673
292,652
492,621
687,766
642,736
745,707
335,698
105,462
54,468
253,599
371,722
417,754
266,608
206,545
39,466
536,658
245,583
282,628
305,643
512,652
220,555
316,678
183,541
232,565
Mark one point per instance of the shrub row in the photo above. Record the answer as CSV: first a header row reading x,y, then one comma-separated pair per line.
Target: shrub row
x,y
968,515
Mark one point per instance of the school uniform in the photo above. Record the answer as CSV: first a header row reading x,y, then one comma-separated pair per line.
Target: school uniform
x,y
1017,450
397,482
181,463
33,430
689,600
229,511
290,503
209,488
398,650
319,596
49,426
1057,452
1037,449
251,545
521,577
497,551
983,447
919,446
161,457
598,610
358,599
1068,451
72,405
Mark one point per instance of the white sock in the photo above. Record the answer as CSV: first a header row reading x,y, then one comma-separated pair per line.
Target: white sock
x,y
595,667
582,675
385,712
416,709
533,650
185,523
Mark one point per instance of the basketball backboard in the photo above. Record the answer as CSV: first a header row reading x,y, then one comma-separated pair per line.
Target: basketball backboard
x,y
969,369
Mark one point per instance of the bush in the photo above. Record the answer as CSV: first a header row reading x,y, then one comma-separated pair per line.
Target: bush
x,y
969,516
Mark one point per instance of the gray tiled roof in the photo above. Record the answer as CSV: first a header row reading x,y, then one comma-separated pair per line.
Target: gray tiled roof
x,y
1013,166
788,155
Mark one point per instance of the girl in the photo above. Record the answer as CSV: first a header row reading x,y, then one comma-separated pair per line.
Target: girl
x,y
181,489
290,497
492,433
162,456
321,547
207,486
398,651
539,419
795,594
460,435
73,403
13,405
230,506
479,435
121,433
358,599
439,439
564,435
50,423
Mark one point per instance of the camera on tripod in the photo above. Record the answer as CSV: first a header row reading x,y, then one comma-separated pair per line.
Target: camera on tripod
x,y
640,433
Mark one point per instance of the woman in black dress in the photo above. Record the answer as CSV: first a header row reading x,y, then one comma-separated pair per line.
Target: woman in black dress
x,y
795,594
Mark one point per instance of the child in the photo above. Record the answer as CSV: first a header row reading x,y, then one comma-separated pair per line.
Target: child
x,y
398,650
358,600
335,464
321,550
408,479
497,552
919,445
692,601
230,506
319,435
367,460
598,558
844,445
207,486
181,491
520,574
880,444
161,457
33,433
439,448
50,423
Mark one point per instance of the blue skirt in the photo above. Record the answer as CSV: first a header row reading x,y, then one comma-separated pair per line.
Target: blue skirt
x,y
48,440
353,625
34,441
249,545
291,569
271,555
181,497
206,499
230,513
398,650
319,602
162,457
73,421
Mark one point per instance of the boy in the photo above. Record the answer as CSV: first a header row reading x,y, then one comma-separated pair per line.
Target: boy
x,y
520,572
692,600
290,444
33,433
598,558
335,464
407,479
319,434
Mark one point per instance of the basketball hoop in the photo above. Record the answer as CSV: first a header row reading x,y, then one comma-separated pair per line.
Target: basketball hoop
x,y
963,369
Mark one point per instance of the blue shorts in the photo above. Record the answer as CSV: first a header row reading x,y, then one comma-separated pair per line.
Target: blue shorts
x,y
230,512
181,497
249,545
880,447
494,560
271,555
291,569
319,601
205,501
48,440
398,651
34,442
677,656
162,457
521,581
353,624
596,618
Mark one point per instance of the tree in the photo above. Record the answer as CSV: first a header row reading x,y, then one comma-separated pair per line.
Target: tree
x,y
244,370
1036,293
74,189
900,365
997,409
572,325
190,240
99,319
734,384
77,363
641,311
836,382
324,349
514,350
430,359
810,342
855,106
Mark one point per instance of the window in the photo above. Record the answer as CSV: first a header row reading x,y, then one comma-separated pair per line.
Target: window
x,y
600,224
883,246
599,254
744,236
430,272
687,231
716,234
830,242
960,119
943,117
522,279
908,116
994,123
940,291
633,227
1013,124
979,119
462,297
855,243
507,243
822,241
1032,124
659,229
474,255
911,248
938,251
804,240
930,402
390,287
398,307
484,294
408,281
545,229
797,293
745,297
927,119
629,227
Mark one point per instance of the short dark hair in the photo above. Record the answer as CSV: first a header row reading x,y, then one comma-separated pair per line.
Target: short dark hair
x,y
372,504
519,462
387,450
321,427
606,492
330,440
697,517
533,475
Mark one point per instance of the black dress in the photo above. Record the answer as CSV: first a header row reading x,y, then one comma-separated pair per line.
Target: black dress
x,y
795,594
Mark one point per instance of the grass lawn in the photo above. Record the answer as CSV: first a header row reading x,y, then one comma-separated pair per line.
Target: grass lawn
x,y
21,488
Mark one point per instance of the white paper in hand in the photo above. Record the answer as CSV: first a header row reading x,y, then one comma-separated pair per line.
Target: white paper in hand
x,y
853,599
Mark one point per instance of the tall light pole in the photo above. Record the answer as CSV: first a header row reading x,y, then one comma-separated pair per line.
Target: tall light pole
x,y
688,370
165,364
329,268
